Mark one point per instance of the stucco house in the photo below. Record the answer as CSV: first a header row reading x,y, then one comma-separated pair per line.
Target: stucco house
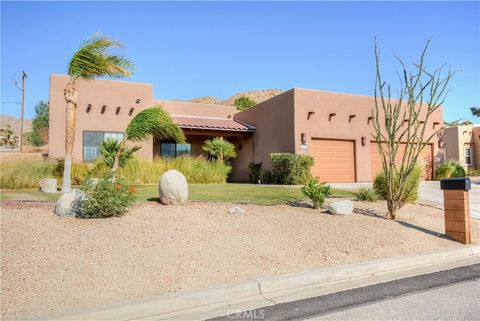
x,y
462,143
334,128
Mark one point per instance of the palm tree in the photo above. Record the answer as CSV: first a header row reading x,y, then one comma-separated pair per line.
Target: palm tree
x,y
91,61
220,148
152,122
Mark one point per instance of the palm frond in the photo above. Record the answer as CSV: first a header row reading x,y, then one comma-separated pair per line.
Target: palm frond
x,y
94,59
154,122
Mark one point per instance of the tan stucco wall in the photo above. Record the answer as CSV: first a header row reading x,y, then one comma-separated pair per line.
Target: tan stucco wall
x,y
457,137
97,93
324,103
274,133
196,109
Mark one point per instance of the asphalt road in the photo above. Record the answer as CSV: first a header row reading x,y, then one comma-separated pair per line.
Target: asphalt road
x,y
448,295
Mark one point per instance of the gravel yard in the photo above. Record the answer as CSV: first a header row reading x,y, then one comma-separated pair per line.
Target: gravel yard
x,y
51,264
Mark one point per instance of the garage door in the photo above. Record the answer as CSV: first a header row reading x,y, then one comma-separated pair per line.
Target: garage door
x,y
425,158
334,160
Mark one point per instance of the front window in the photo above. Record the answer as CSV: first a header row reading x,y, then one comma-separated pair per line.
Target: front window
x,y
175,150
92,141
467,153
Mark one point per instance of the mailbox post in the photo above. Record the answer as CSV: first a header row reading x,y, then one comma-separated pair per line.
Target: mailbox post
x,y
457,208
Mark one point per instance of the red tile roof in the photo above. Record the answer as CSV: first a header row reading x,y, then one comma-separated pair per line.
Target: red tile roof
x,y
212,123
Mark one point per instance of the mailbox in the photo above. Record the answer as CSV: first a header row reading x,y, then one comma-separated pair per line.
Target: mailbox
x,y
456,184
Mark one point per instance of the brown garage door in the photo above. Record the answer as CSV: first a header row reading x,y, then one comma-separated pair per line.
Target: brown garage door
x,y
334,160
425,158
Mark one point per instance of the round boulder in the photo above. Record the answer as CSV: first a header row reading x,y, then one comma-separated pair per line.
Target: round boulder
x,y
341,207
173,188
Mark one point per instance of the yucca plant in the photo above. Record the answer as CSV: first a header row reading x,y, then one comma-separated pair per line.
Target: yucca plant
x,y
91,61
220,148
152,122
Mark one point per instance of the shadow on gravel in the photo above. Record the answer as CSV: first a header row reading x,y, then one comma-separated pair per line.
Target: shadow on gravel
x,y
424,230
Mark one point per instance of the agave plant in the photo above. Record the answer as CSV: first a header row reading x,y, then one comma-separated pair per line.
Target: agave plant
x,y
152,122
91,61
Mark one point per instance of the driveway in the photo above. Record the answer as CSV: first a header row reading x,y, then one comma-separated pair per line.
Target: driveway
x,y
429,193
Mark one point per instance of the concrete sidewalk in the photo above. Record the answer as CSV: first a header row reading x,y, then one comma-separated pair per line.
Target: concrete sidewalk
x,y
429,193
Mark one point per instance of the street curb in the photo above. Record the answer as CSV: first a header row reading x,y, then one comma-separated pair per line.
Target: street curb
x,y
265,289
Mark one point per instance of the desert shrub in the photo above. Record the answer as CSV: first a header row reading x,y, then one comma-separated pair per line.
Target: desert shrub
x,y
473,171
106,198
291,169
449,169
316,192
33,138
244,102
411,186
254,170
367,194
266,178
195,169
25,173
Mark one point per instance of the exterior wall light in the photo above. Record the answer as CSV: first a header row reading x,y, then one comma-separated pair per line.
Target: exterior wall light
x,y
130,112
303,138
137,101
103,109
364,140
89,107
118,110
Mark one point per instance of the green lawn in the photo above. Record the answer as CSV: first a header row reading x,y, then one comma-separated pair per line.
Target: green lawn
x,y
232,193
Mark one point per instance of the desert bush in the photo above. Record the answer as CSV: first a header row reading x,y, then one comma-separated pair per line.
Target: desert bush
x,y
291,169
411,186
254,170
316,192
367,194
266,178
25,173
106,198
195,169
449,169
473,171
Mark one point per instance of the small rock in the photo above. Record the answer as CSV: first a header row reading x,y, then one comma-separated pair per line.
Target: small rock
x,y
70,204
236,210
341,207
173,188
48,185
64,204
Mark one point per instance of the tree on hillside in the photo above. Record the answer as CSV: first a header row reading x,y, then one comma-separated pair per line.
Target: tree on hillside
x,y
151,122
219,148
244,102
475,111
39,134
420,94
91,61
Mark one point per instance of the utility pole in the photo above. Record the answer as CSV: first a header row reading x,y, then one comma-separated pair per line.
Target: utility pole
x,y
24,75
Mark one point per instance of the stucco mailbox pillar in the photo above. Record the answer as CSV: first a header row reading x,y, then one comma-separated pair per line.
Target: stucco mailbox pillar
x,y
457,208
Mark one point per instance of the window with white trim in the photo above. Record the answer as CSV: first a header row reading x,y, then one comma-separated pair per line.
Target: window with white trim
x,y
92,142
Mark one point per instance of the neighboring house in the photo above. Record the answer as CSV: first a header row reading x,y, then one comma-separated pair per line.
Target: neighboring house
x,y
462,143
336,129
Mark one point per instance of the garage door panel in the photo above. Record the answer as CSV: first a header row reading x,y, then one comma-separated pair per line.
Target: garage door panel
x,y
334,160
425,158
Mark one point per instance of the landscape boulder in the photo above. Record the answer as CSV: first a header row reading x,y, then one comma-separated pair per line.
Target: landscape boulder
x,y
48,185
173,188
344,207
70,204
236,210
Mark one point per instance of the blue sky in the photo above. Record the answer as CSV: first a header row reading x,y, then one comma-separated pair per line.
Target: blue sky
x,y
220,48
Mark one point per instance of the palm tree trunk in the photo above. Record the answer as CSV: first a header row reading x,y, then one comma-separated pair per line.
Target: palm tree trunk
x,y
70,94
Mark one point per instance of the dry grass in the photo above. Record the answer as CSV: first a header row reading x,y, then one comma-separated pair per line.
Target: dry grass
x,y
51,264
